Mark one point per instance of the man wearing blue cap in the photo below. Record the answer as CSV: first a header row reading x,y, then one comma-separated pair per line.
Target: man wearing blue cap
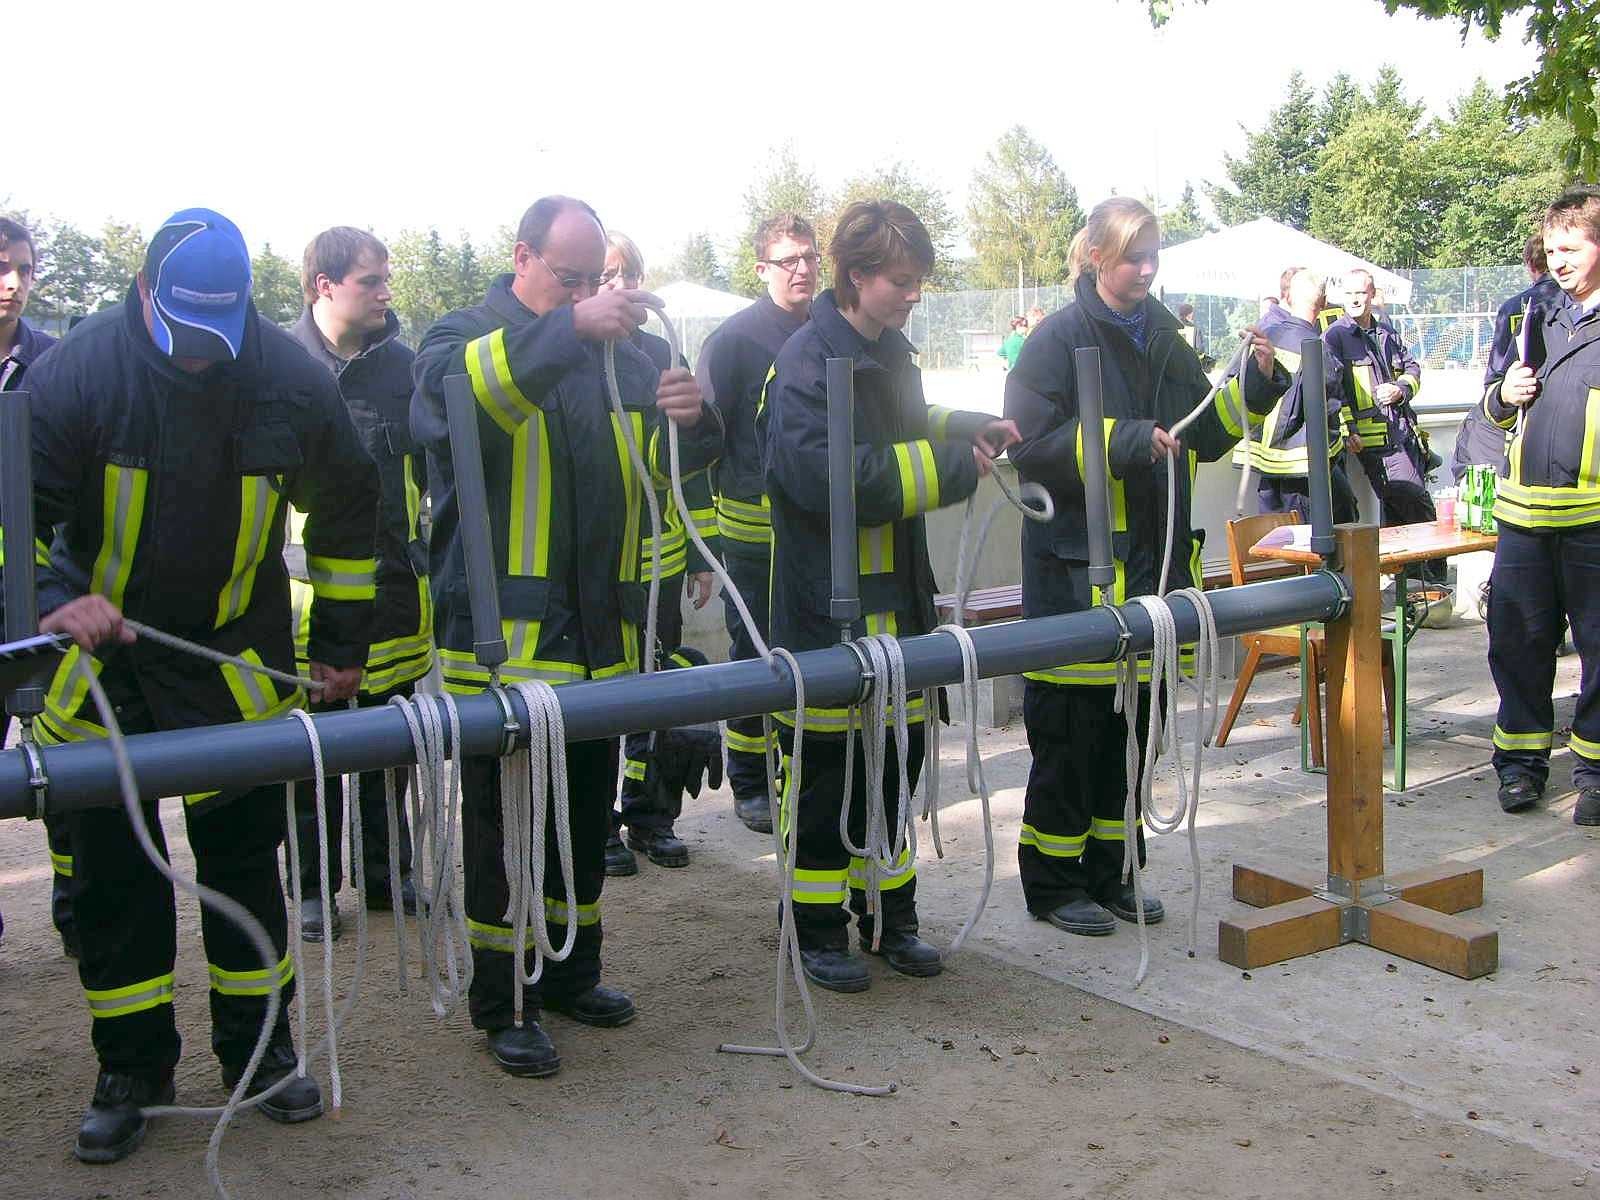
x,y
169,437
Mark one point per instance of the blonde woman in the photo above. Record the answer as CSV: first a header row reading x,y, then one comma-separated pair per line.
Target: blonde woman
x,y
1071,846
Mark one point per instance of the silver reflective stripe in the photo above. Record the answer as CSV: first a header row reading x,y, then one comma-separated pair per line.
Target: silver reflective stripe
x,y
255,506
829,890
117,540
491,380
323,575
528,435
879,539
919,475
250,681
157,992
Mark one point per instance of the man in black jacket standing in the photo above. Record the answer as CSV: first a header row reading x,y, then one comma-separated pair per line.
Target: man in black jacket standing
x,y
733,369
348,327
169,436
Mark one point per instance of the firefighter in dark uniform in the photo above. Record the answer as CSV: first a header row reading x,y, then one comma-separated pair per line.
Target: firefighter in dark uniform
x,y
565,508
733,368
910,459
1279,453
20,345
1479,441
1071,846
348,327
654,764
1381,380
170,436
1547,507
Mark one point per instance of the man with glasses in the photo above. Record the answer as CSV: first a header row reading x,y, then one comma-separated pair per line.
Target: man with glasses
x,y
565,510
733,369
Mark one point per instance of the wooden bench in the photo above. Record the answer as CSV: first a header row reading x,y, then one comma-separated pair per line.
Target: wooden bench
x,y
1000,701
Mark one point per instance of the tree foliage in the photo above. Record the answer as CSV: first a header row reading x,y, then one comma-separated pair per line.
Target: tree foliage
x,y
900,182
697,262
1022,213
787,185
275,286
1183,222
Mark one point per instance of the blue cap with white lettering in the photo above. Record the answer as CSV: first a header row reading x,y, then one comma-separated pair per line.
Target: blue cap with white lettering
x,y
198,271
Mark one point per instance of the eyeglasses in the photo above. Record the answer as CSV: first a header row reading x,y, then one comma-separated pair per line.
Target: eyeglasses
x,y
627,277
792,263
571,280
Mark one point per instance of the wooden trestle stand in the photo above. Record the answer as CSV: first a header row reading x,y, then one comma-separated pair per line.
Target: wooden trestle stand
x,y
1411,914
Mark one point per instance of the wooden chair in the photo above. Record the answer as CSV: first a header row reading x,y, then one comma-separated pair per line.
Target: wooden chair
x,y
1285,641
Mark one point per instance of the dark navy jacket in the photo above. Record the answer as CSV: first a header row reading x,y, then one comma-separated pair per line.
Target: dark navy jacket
x,y
31,343
168,492
1366,359
1280,449
1479,440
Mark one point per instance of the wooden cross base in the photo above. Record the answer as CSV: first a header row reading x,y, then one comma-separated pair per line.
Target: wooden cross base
x,y
1411,914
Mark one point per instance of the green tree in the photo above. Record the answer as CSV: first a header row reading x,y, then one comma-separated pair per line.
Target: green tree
x,y
1022,214
423,279
1185,222
121,257
1365,189
785,186
1273,177
696,262
275,286
68,283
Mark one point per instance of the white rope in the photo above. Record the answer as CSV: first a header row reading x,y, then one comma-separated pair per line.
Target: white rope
x,y
185,646
976,783
530,777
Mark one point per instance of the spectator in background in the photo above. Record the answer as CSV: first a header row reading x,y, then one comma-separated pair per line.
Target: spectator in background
x,y
1480,442
1035,316
1190,332
1011,345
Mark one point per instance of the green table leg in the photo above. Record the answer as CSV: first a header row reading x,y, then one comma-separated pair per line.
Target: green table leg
x,y
1400,640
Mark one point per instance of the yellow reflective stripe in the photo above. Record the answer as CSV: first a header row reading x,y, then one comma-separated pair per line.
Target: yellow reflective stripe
x,y
1053,845
495,937
902,873
1587,474
875,549
258,504
196,797
254,693
882,623
463,675
61,864
342,578
1230,408
66,696
1505,740
832,720
744,522
496,391
1119,585
1102,674
413,499
633,769
818,886
919,477
1111,831
741,743
556,912
260,982
1583,747
528,540
136,997
41,552
1361,377
1414,381
938,421
1534,506
122,513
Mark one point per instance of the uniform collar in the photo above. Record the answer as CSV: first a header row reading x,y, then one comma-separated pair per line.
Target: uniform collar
x,y
503,302
1157,316
844,340
306,332
30,344
248,362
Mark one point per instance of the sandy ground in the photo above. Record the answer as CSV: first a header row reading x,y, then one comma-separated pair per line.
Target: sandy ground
x,y
1030,1065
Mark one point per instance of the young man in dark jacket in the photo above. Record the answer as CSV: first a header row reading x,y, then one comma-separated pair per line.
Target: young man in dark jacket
x,y
169,437
910,458
1547,507
565,507
1071,847
20,345
348,327
733,368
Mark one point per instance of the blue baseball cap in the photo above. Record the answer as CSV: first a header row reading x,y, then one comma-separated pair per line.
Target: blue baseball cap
x,y
198,271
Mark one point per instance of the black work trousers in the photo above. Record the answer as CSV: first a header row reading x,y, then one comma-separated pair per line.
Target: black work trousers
x,y
1292,493
592,782
1539,578
1399,476
826,874
750,568
642,806
1073,833
374,818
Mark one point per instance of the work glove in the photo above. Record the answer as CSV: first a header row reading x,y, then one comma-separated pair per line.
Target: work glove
x,y
684,758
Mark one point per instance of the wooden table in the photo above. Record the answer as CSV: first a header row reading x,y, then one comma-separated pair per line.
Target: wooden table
x,y
1399,548
1412,913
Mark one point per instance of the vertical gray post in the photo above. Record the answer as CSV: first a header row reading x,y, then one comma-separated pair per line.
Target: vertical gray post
x,y
1314,399
16,518
845,604
1096,487
472,513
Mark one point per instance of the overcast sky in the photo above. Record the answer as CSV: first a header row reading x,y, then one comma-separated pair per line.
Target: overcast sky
x,y
291,116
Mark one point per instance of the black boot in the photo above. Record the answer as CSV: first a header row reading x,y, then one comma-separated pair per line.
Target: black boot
x,y
601,1006
1081,916
298,1100
755,812
313,919
1588,810
619,859
903,950
836,969
1519,792
660,846
1120,901
526,1052
379,900
113,1126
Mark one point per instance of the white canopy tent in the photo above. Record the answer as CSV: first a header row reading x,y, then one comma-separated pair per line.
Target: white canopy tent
x,y
685,299
1244,262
